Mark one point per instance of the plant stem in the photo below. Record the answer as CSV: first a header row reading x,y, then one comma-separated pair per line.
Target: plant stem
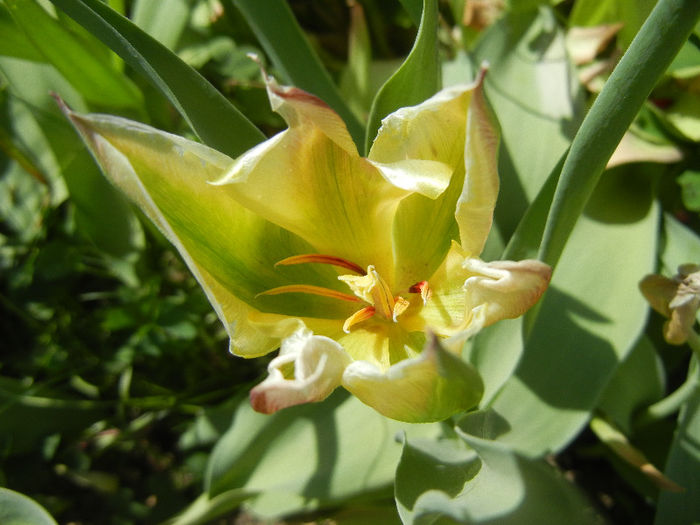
x,y
671,403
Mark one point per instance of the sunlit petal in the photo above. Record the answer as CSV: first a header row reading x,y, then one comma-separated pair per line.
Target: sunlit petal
x,y
308,368
430,387
507,289
476,204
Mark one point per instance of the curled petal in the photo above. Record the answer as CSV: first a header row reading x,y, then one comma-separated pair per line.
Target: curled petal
x,y
430,387
659,291
677,298
308,368
474,213
681,321
507,289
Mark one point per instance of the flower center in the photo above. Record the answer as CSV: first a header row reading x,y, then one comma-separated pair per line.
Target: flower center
x,y
367,286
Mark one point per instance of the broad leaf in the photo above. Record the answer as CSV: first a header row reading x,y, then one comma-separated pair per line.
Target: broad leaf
x,y
589,319
18,509
536,98
482,481
309,456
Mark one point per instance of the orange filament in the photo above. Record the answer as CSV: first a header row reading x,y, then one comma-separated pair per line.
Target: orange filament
x,y
359,316
322,259
310,289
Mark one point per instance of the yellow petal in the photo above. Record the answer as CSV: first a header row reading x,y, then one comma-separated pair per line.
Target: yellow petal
x,y
464,285
447,312
430,387
230,250
424,224
475,206
381,343
308,368
310,180
305,183
507,289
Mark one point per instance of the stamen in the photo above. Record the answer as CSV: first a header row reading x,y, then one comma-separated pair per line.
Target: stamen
x,y
310,289
359,316
322,259
382,297
423,288
400,305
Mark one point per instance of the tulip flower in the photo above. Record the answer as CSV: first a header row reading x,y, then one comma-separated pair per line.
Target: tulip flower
x,y
364,271
677,298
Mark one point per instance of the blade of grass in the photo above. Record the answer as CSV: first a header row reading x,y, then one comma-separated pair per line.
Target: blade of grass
x,y
652,50
212,117
283,40
98,82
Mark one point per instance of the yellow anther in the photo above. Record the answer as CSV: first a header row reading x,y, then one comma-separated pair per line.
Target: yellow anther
x,y
400,305
423,288
372,289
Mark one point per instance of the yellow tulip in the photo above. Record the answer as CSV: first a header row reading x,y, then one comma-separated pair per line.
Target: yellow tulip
x,y
364,271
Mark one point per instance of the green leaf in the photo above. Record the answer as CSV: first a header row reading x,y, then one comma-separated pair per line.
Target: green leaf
x,y
14,41
283,40
417,79
26,419
164,20
355,82
95,79
309,456
597,12
658,41
588,321
413,8
538,103
485,482
62,157
682,467
690,189
681,245
213,118
206,508
684,116
638,382
18,509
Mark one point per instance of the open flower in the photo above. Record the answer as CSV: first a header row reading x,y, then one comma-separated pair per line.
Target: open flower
x,y
356,267
677,298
